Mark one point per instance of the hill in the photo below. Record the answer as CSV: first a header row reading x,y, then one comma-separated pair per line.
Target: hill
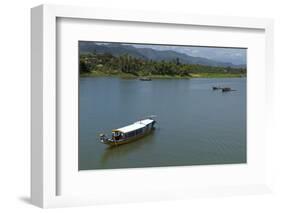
x,y
150,54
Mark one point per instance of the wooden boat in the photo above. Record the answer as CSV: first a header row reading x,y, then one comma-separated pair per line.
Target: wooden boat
x,y
145,79
129,133
226,89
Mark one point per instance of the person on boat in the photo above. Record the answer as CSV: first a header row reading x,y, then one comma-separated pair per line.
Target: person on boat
x,y
117,136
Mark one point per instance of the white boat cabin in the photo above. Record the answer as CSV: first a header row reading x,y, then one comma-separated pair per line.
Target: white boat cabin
x,y
135,129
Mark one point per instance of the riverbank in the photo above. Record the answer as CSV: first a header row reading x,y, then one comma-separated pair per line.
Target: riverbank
x,y
217,75
192,75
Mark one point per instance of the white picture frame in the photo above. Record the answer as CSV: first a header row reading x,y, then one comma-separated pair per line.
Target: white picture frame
x,y
44,149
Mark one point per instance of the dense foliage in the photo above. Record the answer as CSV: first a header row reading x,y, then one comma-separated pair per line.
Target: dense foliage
x,y
109,64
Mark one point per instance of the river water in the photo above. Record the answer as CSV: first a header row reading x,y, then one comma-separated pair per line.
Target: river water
x,y
196,125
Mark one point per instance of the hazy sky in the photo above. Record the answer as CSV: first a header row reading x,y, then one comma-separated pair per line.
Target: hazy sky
x,y
233,55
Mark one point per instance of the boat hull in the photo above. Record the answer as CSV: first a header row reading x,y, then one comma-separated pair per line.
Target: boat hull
x,y
128,140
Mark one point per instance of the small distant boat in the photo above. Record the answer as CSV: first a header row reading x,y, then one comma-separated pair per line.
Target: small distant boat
x,y
226,89
129,133
223,89
216,88
145,79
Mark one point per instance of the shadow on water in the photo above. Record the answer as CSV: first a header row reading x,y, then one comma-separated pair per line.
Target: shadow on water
x,y
115,153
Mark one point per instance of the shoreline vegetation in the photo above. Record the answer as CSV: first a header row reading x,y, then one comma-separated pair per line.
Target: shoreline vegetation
x,y
128,67
131,76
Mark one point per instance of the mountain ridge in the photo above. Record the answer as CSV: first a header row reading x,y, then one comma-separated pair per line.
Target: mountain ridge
x,y
150,54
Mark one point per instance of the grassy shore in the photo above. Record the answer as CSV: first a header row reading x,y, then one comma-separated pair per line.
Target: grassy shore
x,y
131,76
217,75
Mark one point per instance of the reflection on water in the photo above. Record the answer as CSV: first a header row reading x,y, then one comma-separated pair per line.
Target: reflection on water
x,y
196,125
114,153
